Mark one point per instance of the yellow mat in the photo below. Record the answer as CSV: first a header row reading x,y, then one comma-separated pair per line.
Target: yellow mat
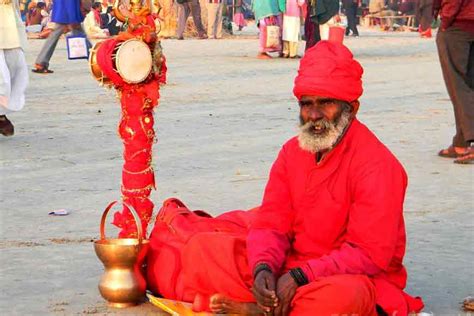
x,y
175,308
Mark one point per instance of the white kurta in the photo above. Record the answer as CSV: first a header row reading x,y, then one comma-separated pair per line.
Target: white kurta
x,y
13,68
291,28
92,28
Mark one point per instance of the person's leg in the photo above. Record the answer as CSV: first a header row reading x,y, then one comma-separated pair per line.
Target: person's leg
x,y
5,83
222,270
355,31
470,68
426,17
336,295
211,19
293,49
7,102
350,18
311,31
286,49
183,13
262,40
220,8
49,46
196,12
15,59
455,49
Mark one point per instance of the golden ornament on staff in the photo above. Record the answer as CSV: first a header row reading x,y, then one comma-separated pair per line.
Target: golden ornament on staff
x,y
136,8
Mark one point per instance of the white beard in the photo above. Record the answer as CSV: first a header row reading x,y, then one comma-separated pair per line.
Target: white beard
x,y
316,143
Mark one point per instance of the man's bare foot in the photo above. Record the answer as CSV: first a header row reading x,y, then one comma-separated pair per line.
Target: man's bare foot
x,y
221,304
468,303
263,56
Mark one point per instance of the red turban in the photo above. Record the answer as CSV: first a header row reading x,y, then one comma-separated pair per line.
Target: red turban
x,y
328,69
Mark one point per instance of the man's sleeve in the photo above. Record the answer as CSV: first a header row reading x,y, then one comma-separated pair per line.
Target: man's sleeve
x,y
375,217
449,11
268,238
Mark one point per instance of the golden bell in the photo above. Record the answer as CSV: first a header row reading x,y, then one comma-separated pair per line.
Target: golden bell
x,y
122,283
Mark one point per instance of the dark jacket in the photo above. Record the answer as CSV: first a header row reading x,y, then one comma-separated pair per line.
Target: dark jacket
x,y
455,13
322,11
348,4
407,7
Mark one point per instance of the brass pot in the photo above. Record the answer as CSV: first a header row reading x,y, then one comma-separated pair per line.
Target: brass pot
x,y
122,283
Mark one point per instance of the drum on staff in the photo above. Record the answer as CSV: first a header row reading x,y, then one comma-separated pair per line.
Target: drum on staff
x,y
132,60
94,67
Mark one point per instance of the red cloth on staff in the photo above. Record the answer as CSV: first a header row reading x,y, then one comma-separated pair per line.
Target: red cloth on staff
x,y
329,70
338,220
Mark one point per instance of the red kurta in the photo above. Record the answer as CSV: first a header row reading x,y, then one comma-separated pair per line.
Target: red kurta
x,y
343,215
338,220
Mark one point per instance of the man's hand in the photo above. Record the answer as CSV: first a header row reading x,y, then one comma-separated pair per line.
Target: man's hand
x,y
286,289
264,290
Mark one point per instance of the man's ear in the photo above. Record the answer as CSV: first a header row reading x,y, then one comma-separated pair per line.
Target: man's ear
x,y
355,107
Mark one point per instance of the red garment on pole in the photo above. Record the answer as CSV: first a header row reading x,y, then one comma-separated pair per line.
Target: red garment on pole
x,y
340,218
137,101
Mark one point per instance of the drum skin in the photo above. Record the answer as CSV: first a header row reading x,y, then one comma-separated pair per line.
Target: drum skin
x,y
133,60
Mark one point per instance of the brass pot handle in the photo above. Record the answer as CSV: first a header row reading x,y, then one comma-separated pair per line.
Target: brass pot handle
x,y
138,222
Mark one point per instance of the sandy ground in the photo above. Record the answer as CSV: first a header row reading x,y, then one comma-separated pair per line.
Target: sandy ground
x,y
222,119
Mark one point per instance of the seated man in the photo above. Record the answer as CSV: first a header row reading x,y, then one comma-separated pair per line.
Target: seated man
x,y
92,23
379,8
329,237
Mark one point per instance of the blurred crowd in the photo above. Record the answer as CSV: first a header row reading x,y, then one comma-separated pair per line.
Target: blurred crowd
x,y
98,23
226,16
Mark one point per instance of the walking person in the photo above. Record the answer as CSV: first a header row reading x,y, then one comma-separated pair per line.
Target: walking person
x,y
424,14
455,41
186,7
311,25
238,16
291,28
350,8
13,68
214,19
66,14
268,13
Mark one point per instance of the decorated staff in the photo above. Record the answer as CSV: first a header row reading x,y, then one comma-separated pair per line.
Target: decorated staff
x,y
132,62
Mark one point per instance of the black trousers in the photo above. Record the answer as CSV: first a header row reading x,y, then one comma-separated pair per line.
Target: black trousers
x,y
351,13
424,16
456,55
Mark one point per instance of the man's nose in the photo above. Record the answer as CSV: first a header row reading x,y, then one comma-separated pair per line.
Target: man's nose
x,y
315,114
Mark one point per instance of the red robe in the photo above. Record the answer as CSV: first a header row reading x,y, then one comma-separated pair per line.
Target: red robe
x,y
343,215
338,220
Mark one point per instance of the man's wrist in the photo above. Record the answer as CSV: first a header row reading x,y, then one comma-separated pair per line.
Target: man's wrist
x,y
299,276
261,267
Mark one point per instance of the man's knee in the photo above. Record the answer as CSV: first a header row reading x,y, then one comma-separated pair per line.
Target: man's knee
x,y
336,295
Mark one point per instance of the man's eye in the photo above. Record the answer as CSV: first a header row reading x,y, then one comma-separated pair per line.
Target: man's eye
x,y
327,101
